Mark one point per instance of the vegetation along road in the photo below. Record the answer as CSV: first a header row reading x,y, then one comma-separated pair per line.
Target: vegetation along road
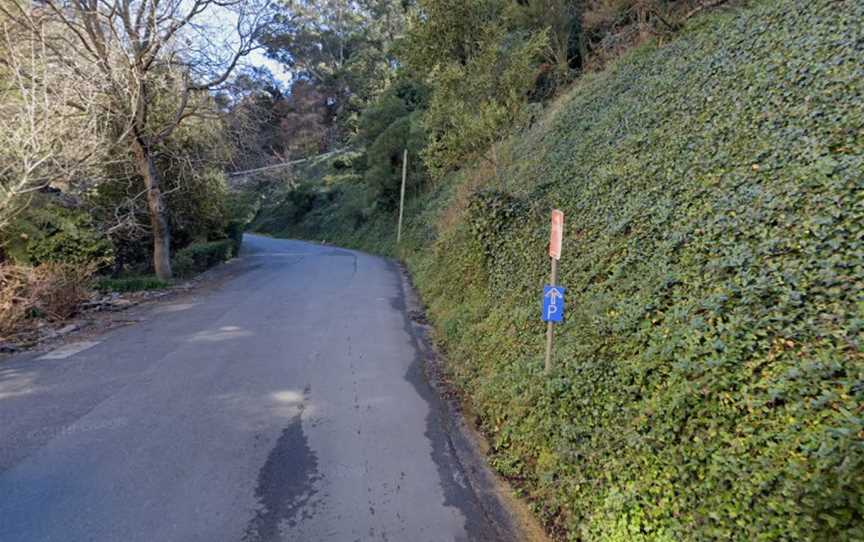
x,y
288,404
704,377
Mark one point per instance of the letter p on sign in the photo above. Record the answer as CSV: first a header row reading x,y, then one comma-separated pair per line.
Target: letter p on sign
x,y
556,234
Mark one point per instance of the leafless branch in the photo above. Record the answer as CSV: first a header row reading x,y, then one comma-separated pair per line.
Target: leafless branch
x,y
51,134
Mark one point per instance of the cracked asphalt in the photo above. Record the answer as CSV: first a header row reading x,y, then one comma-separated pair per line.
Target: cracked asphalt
x,y
288,403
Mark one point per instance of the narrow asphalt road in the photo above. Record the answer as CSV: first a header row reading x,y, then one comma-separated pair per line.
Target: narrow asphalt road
x,y
287,404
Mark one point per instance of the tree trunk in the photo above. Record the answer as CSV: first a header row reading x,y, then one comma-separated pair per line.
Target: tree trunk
x,y
157,210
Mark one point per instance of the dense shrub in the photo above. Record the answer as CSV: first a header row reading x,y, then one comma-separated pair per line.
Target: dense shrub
x,y
490,214
378,116
241,208
388,127
385,156
202,208
199,257
47,232
400,100
191,164
327,206
199,207
288,207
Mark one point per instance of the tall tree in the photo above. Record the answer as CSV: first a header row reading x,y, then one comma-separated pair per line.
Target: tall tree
x,y
143,51
341,47
253,102
481,67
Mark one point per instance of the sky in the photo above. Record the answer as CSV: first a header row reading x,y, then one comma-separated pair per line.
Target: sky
x,y
220,22
258,58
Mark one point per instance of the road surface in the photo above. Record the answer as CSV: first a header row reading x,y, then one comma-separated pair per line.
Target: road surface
x,y
289,403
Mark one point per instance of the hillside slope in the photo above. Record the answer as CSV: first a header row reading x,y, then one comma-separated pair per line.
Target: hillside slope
x,y
709,378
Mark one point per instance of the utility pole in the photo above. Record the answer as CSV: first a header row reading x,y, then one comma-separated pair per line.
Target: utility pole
x,y
402,196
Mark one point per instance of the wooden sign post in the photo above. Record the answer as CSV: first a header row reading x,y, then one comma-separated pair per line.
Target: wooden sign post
x,y
556,236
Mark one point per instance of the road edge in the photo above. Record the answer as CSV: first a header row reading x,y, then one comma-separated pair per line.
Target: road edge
x,y
511,515
97,324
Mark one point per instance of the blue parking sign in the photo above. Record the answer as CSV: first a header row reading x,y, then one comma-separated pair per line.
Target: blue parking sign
x,y
553,303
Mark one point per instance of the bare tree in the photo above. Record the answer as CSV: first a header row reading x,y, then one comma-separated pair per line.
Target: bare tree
x,y
143,50
51,132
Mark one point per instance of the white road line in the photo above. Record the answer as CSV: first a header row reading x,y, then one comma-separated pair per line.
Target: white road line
x,y
69,350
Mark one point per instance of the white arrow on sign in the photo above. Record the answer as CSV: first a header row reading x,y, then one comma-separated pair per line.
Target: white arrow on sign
x,y
554,294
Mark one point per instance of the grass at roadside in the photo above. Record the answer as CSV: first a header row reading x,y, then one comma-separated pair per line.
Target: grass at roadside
x,y
188,262
131,284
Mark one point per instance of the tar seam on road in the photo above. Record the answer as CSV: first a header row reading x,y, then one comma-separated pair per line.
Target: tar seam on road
x,y
457,493
286,484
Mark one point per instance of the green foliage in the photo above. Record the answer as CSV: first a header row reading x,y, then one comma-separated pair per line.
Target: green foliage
x,y
199,207
199,257
240,209
131,284
191,164
49,233
413,93
565,55
491,213
401,99
379,116
385,156
323,197
709,377
441,31
388,127
295,204
480,71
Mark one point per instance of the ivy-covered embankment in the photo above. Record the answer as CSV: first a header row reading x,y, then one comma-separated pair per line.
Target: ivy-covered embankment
x,y
710,375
